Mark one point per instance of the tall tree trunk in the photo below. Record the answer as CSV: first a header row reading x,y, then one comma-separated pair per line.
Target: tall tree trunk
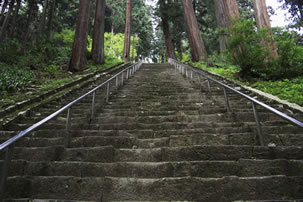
x,y
42,24
50,17
226,11
170,49
78,58
262,19
4,6
221,23
31,12
13,25
126,49
133,48
198,51
98,35
231,11
6,20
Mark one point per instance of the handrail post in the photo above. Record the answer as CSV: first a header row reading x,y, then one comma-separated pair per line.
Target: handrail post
x,y
107,92
67,138
209,86
199,80
122,78
68,118
117,83
226,100
259,130
4,171
93,104
191,75
127,73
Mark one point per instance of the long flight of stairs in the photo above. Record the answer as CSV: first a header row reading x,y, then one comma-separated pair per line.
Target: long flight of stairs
x,y
160,138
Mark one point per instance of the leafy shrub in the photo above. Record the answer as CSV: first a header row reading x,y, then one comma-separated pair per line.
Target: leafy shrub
x,y
290,63
9,52
247,51
66,37
13,78
245,48
52,69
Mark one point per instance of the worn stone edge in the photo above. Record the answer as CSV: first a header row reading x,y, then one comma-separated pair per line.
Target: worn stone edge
x,y
57,94
22,104
268,96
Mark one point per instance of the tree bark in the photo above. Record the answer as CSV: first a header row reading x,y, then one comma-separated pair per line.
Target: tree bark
x,y
263,22
50,17
226,11
13,25
170,49
198,51
6,20
231,11
126,49
4,6
31,12
42,24
98,35
221,23
78,58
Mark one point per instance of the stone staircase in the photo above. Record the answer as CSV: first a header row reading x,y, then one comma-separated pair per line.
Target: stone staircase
x,y
161,138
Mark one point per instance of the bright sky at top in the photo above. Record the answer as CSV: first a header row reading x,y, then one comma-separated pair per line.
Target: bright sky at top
x,y
279,19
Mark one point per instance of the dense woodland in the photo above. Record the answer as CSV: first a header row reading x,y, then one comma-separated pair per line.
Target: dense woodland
x,y
43,40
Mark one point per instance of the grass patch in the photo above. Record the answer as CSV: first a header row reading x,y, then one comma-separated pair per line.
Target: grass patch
x,y
40,82
290,90
229,71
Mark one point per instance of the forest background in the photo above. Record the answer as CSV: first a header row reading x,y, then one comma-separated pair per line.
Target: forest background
x,y
37,36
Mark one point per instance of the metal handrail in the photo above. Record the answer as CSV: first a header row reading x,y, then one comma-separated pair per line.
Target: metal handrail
x,y
8,146
184,69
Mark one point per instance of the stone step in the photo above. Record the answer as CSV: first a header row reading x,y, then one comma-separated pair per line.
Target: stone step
x,y
198,153
205,169
209,125
129,140
133,125
90,141
182,188
189,153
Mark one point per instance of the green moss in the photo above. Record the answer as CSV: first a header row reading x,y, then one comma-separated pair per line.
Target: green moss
x,y
290,90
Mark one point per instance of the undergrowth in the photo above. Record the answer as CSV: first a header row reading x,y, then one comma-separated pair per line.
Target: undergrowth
x,y
286,89
39,68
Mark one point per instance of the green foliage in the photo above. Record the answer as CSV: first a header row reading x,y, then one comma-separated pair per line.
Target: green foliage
x,y
228,71
114,44
290,90
245,48
66,37
285,89
247,51
9,52
52,69
13,78
290,62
